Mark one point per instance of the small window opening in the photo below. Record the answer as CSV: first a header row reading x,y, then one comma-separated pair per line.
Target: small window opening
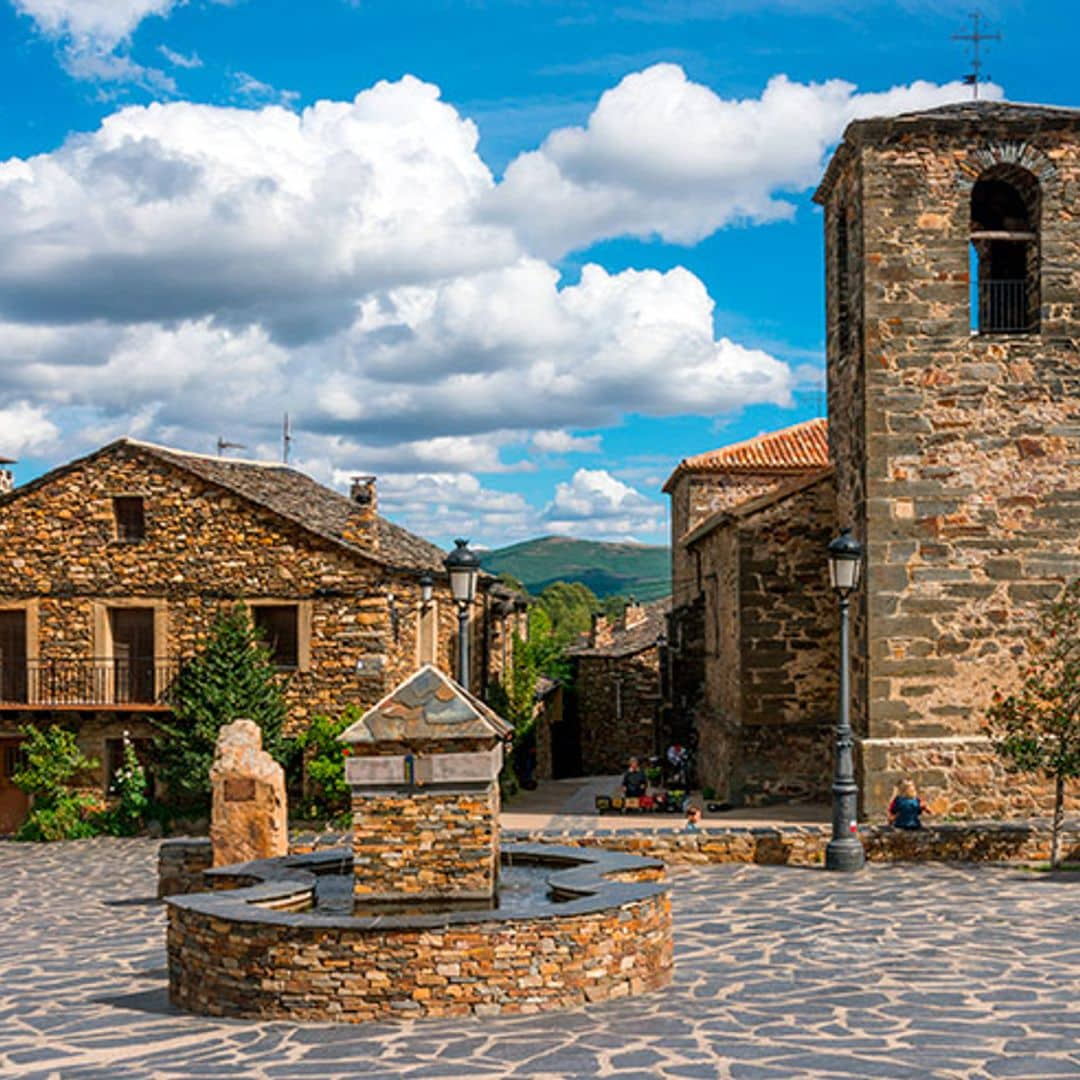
x,y
130,517
1005,252
843,283
277,627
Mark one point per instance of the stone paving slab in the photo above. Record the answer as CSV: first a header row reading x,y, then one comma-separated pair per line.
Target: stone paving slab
x,y
901,971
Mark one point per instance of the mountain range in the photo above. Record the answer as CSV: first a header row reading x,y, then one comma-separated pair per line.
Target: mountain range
x,y
609,569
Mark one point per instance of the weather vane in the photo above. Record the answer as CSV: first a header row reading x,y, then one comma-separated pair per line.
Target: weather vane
x,y
976,37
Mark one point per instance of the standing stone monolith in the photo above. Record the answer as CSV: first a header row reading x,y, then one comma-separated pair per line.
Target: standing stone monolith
x,y
249,817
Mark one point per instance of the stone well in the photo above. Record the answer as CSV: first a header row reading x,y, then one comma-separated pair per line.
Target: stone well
x,y
412,920
423,765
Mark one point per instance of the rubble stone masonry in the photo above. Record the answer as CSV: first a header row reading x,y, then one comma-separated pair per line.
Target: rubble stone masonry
x,y
957,452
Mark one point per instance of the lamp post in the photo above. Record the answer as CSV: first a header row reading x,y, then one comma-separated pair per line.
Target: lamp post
x,y
845,850
427,589
464,568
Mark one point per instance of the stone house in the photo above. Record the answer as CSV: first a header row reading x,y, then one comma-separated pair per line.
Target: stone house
x,y
750,523
113,566
617,688
953,315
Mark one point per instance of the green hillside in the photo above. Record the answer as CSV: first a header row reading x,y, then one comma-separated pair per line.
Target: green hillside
x,y
608,569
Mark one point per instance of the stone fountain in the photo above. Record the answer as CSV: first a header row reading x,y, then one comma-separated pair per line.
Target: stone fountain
x,y
423,916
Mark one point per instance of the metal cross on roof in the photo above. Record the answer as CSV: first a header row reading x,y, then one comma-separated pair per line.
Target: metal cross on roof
x,y
976,37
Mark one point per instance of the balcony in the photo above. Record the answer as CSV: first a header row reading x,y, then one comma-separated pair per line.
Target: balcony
x,y
1005,307
87,683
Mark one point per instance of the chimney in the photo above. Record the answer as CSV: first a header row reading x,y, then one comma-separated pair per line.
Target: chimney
x,y
600,633
7,477
360,527
633,615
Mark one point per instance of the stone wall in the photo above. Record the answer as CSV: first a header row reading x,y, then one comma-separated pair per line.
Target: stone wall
x,y
804,845
440,843
767,718
618,698
181,863
958,453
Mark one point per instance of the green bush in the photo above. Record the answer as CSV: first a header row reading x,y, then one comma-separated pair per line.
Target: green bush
x,y
326,795
130,789
52,760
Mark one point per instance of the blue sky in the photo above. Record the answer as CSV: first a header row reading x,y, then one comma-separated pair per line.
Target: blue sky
x,y
515,258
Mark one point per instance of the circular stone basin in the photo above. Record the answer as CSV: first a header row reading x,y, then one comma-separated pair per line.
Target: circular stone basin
x,y
282,938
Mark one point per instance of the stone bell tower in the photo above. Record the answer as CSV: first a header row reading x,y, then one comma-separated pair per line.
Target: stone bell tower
x,y
953,318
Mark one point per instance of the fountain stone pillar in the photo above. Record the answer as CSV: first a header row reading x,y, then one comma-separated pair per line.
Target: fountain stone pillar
x,y
423,767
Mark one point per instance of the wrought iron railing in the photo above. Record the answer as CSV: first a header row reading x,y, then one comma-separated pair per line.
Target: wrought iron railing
x,y
1005,307
87,681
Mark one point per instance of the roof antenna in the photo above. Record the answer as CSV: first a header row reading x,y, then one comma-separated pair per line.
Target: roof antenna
x,y
223,444
286,440
976,37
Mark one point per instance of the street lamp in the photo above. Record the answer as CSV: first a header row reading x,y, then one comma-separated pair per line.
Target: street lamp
x,y
427,589
464,568
845,850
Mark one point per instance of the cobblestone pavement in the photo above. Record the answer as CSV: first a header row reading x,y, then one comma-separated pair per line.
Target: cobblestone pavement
x,y
901,971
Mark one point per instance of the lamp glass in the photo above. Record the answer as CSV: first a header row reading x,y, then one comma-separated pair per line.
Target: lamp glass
x,y
427,589
844,572
464,568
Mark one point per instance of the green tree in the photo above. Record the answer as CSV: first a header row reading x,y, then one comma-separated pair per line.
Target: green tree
x,y
230,678
52,759
570,606
1036,729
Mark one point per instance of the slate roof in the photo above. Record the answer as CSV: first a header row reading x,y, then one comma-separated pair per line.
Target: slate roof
x,y
282,490
295,495
634,640
427,705
974,116
795,449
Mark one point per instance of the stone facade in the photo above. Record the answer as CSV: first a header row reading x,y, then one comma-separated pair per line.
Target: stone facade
x,y
617,688
766,718
215,532
957,449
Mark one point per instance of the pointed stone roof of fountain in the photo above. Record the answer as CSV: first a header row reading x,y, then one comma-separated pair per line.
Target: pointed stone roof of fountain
x,y
427,706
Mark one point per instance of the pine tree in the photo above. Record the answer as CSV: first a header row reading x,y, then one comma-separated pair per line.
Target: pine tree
x,y
231,678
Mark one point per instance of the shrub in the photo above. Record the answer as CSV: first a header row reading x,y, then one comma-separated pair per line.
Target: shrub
x,y
326,794
52,760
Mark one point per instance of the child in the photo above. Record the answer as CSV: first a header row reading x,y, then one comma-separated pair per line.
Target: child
x,y
693,818
634,783
906,808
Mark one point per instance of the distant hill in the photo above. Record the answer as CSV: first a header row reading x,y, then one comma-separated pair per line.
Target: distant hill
x,y
608,569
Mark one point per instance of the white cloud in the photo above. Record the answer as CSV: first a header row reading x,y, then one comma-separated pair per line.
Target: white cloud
x,y
179,211
446,505
595,503
256,92
560,441
661,155
179,59
25,428
102,23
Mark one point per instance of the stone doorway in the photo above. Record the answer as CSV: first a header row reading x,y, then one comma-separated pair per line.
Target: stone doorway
x,y
14,803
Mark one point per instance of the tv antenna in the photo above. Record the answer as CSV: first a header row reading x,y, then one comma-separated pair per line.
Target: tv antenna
x,y
223,444
976,37
286,440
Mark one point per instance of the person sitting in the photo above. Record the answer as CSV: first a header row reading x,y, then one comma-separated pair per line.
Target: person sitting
x,y
906,809
634,781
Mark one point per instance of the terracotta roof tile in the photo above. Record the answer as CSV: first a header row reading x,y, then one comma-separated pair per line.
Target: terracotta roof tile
x,y
794,449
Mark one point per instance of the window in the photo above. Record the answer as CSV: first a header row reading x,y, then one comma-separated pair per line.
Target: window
x,y
13,666
1005,252
278,627
130,518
